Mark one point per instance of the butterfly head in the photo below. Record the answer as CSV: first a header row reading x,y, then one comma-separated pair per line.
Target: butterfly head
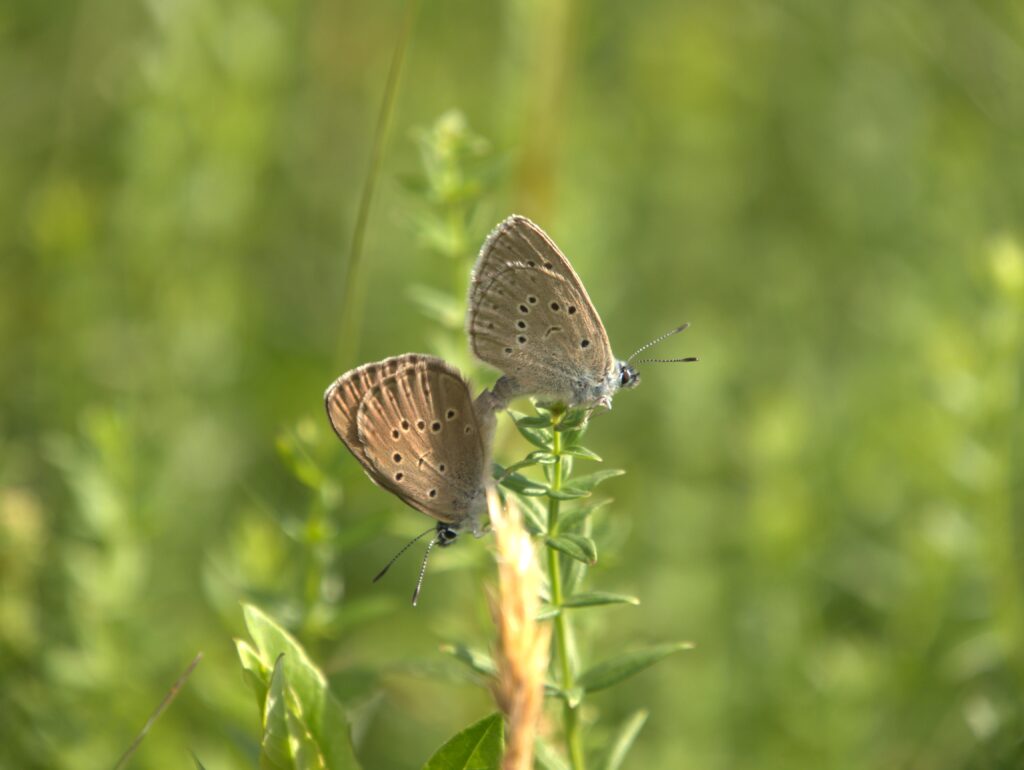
x,y
446,534
628,377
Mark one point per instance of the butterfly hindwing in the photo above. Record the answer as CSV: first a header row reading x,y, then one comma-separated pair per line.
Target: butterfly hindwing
x,y
421,439
343,397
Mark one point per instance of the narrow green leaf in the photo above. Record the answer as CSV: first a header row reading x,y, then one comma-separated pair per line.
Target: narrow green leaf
x,y
542,456
547,758
547,611
552,690
613,671
582,451
591,480
597,598
536,436
570,521
480,662
573,697
274,749
624,740
478,747
534,458
579,547
541,420
575,418
571,492
534,514
572,437
521,484
568,461
195,760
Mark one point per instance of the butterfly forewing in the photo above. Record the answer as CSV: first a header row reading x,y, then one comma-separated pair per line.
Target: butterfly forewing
x,y
529,314
343,397
420,439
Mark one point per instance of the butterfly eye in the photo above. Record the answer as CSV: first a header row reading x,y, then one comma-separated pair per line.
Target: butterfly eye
x,y
624,377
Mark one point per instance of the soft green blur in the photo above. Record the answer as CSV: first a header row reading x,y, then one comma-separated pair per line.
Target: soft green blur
x,y
830,504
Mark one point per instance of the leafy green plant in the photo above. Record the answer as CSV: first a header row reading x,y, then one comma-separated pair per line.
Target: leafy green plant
x,y
478,747
303,723
564,524
458,166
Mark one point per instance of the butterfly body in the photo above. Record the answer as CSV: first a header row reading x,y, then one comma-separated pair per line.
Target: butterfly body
x,y
530,317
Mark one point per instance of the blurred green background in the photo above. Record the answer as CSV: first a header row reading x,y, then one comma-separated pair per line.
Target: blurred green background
x,y
829,504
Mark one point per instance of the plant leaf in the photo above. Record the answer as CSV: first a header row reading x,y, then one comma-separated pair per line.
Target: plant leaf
x,y
624,740
547,611
536,436
575,418
579,547
253,670
535,457
547,758
534,514
613,671
274,750
591,480
273,642
478,747
480,662
573,519
541,420
582,451
322,713
597,598
306,754
333,735
571,492
520,484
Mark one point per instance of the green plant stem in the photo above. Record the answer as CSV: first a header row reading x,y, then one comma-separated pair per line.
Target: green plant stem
x,y
352,297
570,713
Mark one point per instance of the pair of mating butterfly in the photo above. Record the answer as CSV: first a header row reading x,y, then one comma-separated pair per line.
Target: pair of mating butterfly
x,y
411,421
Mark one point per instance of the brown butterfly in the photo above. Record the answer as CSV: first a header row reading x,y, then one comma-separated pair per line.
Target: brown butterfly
x,y
530,317
411,423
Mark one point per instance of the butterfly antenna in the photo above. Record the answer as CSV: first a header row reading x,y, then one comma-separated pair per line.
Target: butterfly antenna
x,y
656,340
423,571
404,549
687,360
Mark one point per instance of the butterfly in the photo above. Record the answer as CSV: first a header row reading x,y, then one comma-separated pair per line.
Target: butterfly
x,y
411,423
530,317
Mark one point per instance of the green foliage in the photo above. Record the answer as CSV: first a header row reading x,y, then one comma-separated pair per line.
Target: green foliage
x,y
567,534
478,747
610,672
828,504
627,733
304,725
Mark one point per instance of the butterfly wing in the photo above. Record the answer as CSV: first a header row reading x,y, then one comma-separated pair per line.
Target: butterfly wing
x,y
422,440
530,316
343,397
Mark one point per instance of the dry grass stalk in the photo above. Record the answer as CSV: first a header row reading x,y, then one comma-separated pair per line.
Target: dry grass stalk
x,y
522,653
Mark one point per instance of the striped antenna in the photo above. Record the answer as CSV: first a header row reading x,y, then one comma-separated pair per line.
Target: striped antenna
x,y
656,340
